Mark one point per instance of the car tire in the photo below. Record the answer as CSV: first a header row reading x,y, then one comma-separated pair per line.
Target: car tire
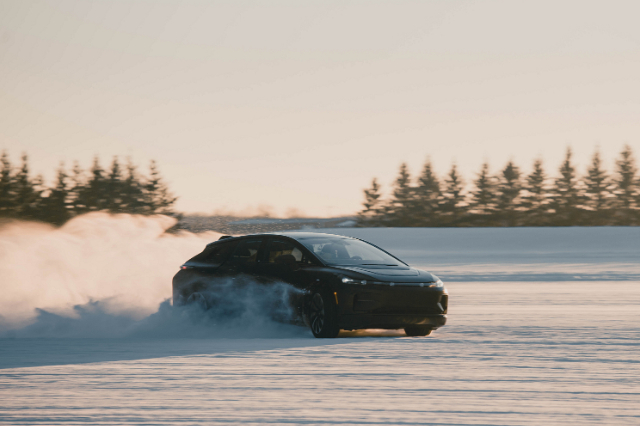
x,y
418,330
322,315
198,299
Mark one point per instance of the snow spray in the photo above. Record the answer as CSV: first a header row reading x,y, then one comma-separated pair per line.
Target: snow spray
x,y
103,275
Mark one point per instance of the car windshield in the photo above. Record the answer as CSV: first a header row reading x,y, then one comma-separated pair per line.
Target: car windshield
x,y
348,251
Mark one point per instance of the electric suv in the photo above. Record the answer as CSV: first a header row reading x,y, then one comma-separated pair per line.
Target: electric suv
x,y
339,282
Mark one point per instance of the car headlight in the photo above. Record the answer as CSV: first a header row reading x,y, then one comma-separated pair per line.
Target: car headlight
x,y
346,280
434,284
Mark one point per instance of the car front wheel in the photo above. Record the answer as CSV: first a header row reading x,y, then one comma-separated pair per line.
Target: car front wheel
x,y
322,316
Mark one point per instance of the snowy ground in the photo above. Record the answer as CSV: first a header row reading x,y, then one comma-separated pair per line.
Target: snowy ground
x,y
514,254
560,350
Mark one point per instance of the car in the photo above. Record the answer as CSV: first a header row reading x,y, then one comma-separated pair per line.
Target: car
x,y
342,283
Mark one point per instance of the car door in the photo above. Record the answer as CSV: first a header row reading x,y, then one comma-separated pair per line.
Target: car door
x,y
285,261
243,261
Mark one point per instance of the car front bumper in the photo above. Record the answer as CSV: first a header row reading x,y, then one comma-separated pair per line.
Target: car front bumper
x,y
361,321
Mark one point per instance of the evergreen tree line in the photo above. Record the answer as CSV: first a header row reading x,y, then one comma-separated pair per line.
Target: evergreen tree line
x,y
118,189
510,198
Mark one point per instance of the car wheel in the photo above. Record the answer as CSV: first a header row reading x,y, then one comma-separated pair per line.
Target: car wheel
x,y
322,316
199,300
418,330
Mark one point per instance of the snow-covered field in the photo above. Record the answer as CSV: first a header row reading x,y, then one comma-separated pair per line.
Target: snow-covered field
x,y
543,329
515,254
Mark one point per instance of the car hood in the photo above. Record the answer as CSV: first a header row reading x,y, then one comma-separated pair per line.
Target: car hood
x,y
398,274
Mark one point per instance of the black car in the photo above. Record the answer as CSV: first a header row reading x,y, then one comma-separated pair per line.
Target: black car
x,y
342,282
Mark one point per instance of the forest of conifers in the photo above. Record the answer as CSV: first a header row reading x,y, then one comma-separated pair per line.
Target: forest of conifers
x,y
510,198
119,189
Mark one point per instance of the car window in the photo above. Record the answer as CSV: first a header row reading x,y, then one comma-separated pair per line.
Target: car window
x,y
246,251
279,250
336,250
214,254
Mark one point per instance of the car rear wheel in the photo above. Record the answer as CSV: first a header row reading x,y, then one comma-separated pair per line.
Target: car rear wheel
x,y
199,300
322,316
418,330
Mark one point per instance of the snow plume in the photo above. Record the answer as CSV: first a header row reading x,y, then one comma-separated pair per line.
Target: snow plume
x,y
250,310
104,275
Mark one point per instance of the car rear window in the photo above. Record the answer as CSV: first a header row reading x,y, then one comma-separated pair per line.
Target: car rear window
x,y
214,254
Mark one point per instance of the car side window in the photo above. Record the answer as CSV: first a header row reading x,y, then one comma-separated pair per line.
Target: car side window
x,y
219,254
280,250
246,251
214,254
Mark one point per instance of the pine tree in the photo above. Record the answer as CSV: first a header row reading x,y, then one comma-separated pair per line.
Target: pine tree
x,y
7,187
483,197
567,195
370,215
625,188
38,207
132,191
427,197
93,194
597,188
401,204
637,200
536,200
27,193
113,188
158,198
453,198
509,188
77,190
57,204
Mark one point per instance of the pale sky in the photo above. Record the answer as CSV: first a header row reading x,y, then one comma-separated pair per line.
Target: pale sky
x,y
299,104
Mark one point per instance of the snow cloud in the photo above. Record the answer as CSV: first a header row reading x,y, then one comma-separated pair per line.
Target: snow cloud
x,y
122,262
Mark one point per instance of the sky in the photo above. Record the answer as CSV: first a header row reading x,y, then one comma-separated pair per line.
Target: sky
x,y
297,105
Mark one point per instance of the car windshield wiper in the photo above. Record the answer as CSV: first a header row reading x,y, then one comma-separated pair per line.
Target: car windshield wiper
x,y
363,264
378,264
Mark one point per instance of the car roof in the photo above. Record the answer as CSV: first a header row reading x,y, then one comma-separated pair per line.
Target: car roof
x,y
295,235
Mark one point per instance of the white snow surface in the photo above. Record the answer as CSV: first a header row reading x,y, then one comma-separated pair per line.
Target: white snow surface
x,y
543,329
513,254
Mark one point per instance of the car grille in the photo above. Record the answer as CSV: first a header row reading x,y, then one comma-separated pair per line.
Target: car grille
x,y
404,301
